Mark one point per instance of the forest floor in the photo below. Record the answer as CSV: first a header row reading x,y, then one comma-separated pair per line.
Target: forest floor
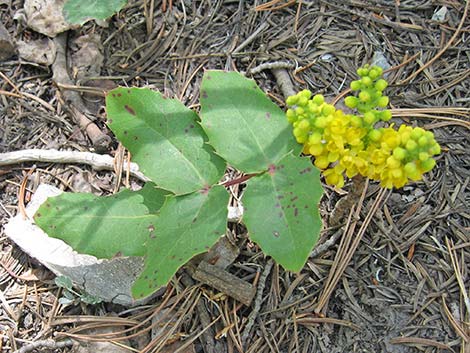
x,y
406,287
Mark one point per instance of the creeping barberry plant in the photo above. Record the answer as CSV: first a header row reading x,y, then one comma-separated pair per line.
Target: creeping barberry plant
x,y
182,211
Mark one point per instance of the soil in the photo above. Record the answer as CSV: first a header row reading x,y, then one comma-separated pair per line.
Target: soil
x,y
404,289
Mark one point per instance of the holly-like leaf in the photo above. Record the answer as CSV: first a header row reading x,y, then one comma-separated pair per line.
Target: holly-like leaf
x,y
187,225
245,127
116,225
165,139
281,210
81,11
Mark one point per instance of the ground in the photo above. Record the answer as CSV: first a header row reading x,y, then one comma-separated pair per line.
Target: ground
x,y
404,288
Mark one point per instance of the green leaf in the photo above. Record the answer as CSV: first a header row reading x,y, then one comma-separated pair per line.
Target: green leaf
x,y
245,127
187,225
90,299
80,11
116,225
63,282
165,139
154,198
281,210
66,301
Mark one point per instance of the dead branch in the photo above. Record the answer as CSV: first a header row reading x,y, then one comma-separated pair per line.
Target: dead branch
x,y
96,161
284,82
73,100
49,344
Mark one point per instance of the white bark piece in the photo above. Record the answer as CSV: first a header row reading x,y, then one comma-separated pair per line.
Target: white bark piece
x,y
111,280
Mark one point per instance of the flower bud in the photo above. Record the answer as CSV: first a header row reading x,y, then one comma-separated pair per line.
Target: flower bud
x,y
328,109
351,102
411,145
303,125
355,85
364,96
380,85
305,94
292,100
318,99
427,165
399,153
382,102
369,118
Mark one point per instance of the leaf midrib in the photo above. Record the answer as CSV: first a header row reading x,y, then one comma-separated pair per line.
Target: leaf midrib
x,y
266,158
144,122
286,220
183,234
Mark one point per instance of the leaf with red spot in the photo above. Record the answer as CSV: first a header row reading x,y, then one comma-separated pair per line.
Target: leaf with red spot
x,y
187,225
281,210
164,138
103,226
245,127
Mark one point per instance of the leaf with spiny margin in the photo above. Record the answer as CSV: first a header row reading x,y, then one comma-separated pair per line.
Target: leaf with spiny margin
x,y
164,138
81,11
187,225
281,210
103,226
243,125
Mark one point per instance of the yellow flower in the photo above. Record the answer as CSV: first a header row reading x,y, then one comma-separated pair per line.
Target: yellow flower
x,y
390,138
352,144
322,162
334,176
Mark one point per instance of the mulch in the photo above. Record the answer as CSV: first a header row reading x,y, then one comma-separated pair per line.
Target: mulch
x,y
406,286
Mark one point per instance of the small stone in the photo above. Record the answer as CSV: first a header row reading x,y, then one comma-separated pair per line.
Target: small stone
x,y
440,15
380,60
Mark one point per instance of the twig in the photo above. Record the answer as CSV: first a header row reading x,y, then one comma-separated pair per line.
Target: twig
x,y
96,161
258,300
269,6
22,193
270,66
306,319
320,249
224,282
420,341
49,344
252,37
284,82
73,100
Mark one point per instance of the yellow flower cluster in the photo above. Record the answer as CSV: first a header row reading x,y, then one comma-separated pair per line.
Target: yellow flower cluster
x,y
345,144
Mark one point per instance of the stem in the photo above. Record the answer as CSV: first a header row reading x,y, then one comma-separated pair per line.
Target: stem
x,y
239,180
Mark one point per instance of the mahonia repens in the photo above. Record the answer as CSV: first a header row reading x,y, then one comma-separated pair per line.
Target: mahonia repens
x,y
348,145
